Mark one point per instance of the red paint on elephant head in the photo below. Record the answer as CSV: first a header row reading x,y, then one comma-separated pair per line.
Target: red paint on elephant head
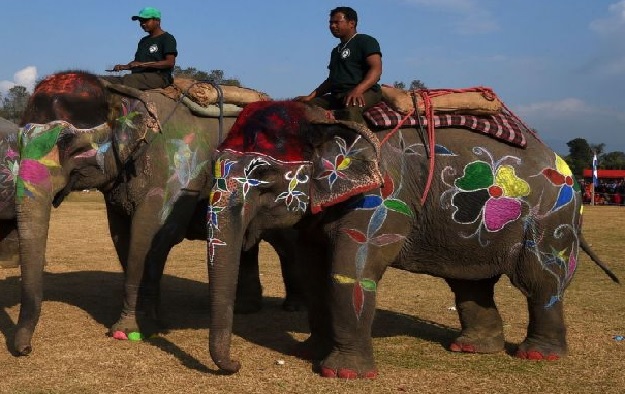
x,y
78,84
270,127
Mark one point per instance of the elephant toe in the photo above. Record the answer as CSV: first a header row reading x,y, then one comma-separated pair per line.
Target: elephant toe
x,y
533,350
469,344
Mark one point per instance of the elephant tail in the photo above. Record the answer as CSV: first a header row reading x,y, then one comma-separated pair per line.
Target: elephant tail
x,y
594,257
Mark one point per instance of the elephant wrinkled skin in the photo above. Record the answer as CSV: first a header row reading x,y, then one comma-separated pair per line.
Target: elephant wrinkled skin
x,y
492,209
147,154
9,161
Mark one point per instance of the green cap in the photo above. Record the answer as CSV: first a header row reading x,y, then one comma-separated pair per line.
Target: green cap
x,y
147,13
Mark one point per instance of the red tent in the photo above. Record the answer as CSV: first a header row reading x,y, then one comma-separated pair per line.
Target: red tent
x,y
605,174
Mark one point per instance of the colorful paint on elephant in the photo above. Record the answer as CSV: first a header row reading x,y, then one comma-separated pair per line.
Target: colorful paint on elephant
x,y
381,203
9,167
39,153
562,177
490,195
232,183
186,163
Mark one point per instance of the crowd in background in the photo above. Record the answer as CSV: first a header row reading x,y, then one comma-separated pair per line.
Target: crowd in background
x,y
608,192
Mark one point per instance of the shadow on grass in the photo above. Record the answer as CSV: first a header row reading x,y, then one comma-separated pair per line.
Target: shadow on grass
x,y
185,305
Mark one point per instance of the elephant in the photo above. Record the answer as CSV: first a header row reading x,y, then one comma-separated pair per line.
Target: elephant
x,y
9,162
149,156
467,208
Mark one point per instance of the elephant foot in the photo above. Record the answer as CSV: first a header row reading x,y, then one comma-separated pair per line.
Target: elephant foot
x,y
529,350
134,328
293,304
22,343
340,366
467,344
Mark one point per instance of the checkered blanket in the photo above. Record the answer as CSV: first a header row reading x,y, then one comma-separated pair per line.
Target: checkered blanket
x,y
501,126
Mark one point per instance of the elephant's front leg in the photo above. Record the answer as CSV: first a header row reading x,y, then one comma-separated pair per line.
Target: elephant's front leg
x,y
356,270
352,310
482,327
141,286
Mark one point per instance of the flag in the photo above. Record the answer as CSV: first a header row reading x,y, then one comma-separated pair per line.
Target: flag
x,y
595,178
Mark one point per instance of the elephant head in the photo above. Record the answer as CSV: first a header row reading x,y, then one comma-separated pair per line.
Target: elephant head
x,y
56,157
281,162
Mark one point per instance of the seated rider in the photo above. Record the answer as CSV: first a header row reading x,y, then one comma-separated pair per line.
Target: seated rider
x,y
355,69
155,57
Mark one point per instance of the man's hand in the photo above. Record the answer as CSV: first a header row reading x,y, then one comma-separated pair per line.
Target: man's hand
x,y
355,98
121,67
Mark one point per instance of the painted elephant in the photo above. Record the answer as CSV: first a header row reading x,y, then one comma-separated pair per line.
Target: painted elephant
x,y
148,155
488,209
9,243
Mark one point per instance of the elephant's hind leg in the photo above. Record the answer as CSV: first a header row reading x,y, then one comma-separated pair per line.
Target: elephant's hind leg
x,y
546,332
482,327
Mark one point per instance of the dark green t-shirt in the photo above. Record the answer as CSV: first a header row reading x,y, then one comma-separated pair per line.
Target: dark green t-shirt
x,y
348,63
152,49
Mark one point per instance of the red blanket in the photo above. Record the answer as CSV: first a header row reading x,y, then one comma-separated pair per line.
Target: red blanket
x,y
501,126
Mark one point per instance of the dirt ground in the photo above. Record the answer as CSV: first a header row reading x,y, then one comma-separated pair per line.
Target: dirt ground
x,y
414,325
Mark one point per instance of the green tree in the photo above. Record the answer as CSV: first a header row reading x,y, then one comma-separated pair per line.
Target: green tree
x,y
417,84
414,85
213,75
612,161
580,156
14,103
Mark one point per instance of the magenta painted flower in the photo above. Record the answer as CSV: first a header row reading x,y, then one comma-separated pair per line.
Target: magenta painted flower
x,y
490,195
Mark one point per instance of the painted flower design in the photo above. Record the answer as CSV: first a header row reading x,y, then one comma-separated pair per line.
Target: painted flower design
x,y
37,143
492,195
295,200
562,177
381,204
334,170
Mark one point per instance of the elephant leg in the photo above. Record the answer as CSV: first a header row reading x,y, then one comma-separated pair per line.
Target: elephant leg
x,y
138,294
9,244
119,227
482,327
352,303
546,332
283,242
249,290
294,300
352,312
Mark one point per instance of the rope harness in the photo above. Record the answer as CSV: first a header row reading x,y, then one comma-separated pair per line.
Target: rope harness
x,y
428,135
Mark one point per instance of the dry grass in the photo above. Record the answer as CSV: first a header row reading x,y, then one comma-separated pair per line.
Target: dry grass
x,y
412,329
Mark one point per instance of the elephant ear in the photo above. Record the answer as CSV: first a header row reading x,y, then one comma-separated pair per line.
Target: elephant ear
x,y
345,162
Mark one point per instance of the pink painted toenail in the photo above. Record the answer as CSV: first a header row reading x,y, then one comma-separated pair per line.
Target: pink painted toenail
x,y
328,372
346,373
120,335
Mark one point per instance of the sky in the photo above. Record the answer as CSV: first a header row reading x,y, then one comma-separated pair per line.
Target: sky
x,y
558,64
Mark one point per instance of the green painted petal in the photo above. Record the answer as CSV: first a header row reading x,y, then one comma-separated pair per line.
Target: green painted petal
x,y
368,284
20,189
398,206
477,175
42,144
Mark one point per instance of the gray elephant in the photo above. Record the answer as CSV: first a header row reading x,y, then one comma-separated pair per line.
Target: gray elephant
x,y
149,157
9,162
476,208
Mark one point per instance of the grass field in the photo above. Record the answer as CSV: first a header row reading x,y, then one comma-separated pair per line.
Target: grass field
x,y
413,327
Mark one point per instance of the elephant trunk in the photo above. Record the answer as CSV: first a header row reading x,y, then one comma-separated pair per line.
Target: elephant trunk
x,y
33,224
223,277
